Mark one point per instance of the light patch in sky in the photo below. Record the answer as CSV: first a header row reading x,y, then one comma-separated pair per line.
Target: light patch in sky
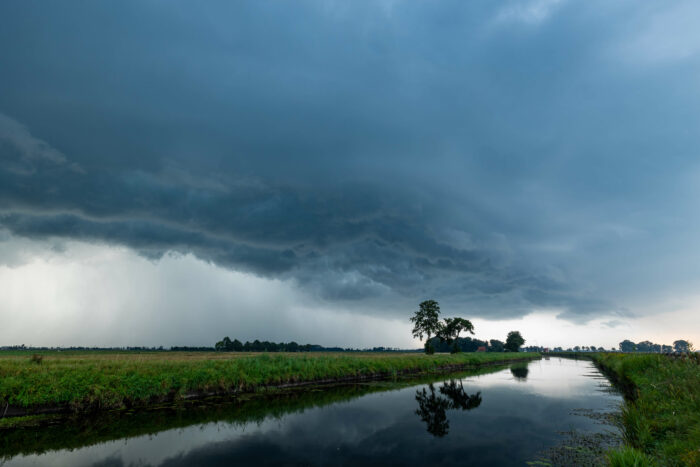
x,y
531,12
545,329
82,294
98,295
670,34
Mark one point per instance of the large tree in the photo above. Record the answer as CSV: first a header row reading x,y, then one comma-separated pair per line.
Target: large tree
x,y
514,341
426,322
451,330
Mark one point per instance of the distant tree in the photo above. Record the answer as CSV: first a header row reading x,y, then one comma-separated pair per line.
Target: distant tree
x,y
426,322
514,341
464,344
666,349
682,346
627,346
224,345
645,346
496,346
236,345
600,349
451,329
577,348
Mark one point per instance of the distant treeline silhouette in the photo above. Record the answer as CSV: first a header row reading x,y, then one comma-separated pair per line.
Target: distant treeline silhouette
x,y
679,346
467,344
228,345
97,349
255,346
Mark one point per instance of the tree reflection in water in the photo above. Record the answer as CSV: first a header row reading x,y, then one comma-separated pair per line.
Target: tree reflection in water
x,y
520,372
432,407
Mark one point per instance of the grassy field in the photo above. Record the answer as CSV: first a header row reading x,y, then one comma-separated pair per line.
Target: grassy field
x,y
103,380
661,419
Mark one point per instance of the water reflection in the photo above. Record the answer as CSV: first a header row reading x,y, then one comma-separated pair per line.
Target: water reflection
x,y
364,424
519,371
432,408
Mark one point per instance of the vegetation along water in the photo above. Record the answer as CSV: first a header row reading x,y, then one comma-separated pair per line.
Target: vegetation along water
x,y
661,417
79,381
542,412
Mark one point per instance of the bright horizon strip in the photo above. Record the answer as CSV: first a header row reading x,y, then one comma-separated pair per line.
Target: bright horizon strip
x,y
127,300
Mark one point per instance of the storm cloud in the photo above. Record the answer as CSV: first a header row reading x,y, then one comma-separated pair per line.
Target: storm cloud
x,y
501,157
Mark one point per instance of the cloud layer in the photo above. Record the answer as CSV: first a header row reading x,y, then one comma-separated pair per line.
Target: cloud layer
x,y
501,158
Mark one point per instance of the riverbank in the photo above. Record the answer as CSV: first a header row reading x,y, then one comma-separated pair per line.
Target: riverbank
x,y
42,433
87,381
661,417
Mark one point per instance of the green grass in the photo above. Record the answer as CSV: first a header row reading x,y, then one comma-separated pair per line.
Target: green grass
x,y
629,457
661,419
101,380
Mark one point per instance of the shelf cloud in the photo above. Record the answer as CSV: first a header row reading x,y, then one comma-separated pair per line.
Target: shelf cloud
x,y
502,158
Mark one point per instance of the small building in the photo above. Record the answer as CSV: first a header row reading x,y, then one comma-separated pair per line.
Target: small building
x,y
481,349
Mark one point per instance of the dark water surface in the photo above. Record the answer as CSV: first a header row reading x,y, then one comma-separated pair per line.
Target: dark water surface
x,y
506,417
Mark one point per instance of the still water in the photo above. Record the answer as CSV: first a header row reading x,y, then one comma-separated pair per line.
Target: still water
x,y
506,417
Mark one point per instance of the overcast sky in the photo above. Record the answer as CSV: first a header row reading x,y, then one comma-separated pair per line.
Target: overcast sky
x,y
173,172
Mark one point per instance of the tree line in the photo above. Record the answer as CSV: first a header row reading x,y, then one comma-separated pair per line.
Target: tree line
x,y
95,349
443,335
628,346
468,344
228,345
679,346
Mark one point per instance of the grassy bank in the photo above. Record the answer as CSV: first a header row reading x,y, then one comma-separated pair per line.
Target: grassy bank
x,y
661,419
81,381
38,434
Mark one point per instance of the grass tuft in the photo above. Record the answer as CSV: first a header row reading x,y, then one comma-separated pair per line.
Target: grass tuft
x,y
629,457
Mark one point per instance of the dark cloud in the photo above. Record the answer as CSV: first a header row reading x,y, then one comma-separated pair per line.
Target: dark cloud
x,y
498,157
